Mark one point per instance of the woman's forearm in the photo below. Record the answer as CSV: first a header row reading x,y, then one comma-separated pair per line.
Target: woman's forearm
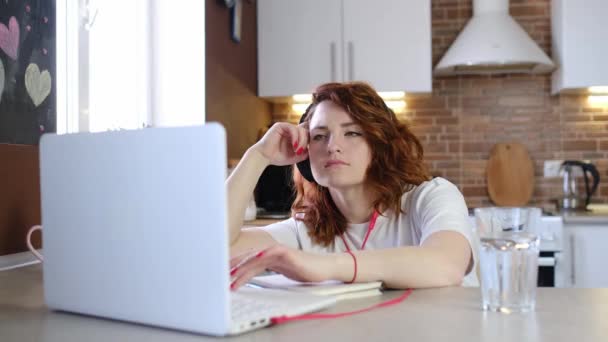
x,y
404,267
240,186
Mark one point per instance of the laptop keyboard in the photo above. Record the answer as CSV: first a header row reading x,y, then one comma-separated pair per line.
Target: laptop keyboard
x,y
246,308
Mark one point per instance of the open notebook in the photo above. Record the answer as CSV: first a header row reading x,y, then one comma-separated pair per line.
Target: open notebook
x,y
337,289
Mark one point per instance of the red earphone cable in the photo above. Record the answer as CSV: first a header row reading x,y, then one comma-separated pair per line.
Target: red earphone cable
x,y
284,319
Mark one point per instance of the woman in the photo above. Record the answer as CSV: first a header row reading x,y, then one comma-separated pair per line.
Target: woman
x,y
368,211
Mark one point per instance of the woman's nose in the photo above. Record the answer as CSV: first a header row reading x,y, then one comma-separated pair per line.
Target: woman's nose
x,y
334,144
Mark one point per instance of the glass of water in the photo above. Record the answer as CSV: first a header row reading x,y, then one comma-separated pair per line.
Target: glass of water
x,y
509,249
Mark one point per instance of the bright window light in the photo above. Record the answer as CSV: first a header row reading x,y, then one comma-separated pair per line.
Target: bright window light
x,y
302,98
396,105
120,66
299,108
117,66
393,99
597,101
392,95
598,89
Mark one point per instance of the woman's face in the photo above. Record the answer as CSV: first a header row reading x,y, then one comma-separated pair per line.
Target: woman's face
x,y
339,154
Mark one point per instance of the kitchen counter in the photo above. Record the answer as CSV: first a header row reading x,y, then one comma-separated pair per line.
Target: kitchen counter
x,y
261,222
586,217
427,315
598,217
592,217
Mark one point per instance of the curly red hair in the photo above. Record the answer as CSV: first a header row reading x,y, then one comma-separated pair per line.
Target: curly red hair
x,y
395,168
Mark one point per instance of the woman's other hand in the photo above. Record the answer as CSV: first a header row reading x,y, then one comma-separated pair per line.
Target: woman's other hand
x,y
292,263
284,144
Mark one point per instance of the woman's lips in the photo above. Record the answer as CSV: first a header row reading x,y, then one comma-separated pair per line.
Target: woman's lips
x,y
334,163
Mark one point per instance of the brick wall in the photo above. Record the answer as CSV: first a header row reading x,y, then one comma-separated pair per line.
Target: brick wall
x,y
465,116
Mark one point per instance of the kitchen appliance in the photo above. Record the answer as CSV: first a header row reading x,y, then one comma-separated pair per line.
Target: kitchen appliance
x,y
274,193
492,42
552,268
573,198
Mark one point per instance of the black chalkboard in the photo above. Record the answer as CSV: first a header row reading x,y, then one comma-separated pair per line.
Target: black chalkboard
x,y
28,104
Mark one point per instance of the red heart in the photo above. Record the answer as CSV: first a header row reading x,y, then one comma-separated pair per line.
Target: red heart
x,y
9,38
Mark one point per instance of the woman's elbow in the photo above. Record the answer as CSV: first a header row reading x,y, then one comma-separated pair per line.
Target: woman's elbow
x,y
455,268
451,274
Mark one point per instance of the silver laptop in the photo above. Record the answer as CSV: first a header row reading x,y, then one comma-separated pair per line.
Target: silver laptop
x,y
135,229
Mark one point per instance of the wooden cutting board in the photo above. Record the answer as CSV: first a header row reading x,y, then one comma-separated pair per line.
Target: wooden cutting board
x,y
510,175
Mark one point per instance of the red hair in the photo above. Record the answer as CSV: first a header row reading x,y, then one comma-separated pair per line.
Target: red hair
x,y
396,165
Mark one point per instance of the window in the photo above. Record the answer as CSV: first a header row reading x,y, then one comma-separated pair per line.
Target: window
x,y
129,64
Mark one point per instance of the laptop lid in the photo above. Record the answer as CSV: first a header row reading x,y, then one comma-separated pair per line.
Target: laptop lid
x,y
135,226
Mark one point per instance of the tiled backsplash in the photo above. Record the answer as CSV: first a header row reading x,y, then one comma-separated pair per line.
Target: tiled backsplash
x,y
465,116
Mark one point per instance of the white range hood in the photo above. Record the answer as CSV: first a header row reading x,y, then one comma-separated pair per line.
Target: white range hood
x,y
492,42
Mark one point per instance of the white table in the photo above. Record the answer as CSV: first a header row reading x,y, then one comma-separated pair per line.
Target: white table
x,y
449,314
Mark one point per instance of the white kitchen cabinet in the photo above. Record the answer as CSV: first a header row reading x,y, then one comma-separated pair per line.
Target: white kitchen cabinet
x,y
579,33
298,45
586,254
304,43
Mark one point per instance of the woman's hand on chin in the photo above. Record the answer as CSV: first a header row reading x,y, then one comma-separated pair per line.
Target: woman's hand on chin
x,y
284,144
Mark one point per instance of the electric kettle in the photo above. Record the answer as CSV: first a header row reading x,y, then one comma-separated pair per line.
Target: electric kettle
x,y
572,198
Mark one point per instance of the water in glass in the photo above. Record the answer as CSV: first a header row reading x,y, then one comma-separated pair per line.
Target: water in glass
x,y
509,269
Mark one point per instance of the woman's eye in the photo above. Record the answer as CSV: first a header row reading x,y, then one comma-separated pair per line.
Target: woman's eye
x,y
318,137
353,134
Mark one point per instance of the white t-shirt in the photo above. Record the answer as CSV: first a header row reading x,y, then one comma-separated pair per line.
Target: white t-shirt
x,y
433,206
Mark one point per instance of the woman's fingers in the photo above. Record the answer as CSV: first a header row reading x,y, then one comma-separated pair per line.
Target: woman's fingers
x,y
249,269
295,139
284,144
303,135
291,263
244,262
300,144
243,278
241,258
302,156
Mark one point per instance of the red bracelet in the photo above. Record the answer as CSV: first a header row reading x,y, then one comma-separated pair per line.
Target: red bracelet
x,y
355,261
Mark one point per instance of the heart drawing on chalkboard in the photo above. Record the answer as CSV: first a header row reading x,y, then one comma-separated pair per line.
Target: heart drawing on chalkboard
x,y
9,38
1,79
38,84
